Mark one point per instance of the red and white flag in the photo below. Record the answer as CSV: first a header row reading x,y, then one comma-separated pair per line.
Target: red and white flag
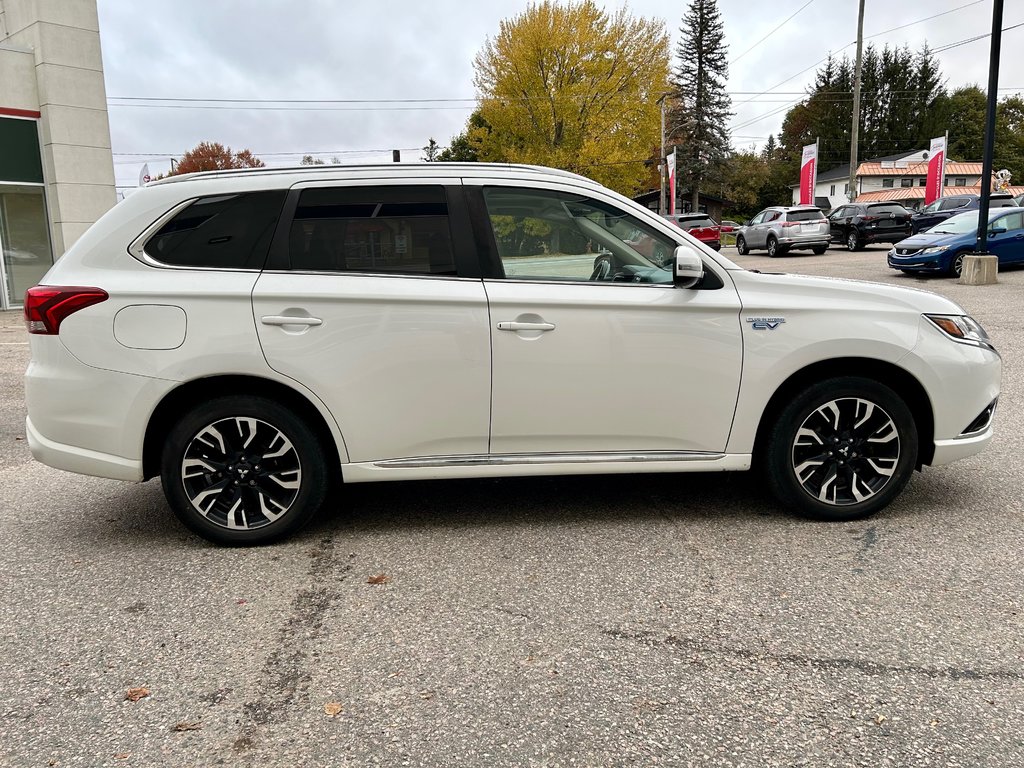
x,y
808,174
670,162
936,170
144,177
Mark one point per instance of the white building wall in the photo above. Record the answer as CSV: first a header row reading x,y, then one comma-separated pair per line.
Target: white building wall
x,y
64,41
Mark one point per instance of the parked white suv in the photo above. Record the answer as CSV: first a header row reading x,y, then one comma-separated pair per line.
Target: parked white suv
x,y
249,335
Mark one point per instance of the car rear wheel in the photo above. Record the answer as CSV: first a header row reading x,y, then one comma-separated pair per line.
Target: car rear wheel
x,y
741,245
243,470
819,249
853,242
841,450
773,248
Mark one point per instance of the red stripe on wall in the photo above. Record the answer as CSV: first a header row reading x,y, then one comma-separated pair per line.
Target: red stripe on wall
x,y
11,112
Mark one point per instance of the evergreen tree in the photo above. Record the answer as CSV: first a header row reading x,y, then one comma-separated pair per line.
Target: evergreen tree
x,y
699,79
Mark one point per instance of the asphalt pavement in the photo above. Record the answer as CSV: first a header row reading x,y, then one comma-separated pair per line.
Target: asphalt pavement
x,y
618,620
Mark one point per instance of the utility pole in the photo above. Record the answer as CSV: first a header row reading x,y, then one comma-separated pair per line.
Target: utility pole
x,y
855,127
396,155
981,267
661,158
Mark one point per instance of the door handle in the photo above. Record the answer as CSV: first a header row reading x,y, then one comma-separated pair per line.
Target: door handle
x,y
510,325
290,320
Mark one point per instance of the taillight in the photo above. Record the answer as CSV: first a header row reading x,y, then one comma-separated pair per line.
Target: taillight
x,y
791,223
868,218
46,306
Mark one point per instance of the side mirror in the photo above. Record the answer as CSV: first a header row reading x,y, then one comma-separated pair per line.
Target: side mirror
x,y
996,230
747,222
689,267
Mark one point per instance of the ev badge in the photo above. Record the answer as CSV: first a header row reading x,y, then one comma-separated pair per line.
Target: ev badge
x,y
765,323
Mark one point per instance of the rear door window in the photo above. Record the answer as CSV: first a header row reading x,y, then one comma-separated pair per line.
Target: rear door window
x,y
220,232
402,229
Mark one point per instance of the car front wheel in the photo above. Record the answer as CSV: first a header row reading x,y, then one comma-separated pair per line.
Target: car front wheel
x,y
841,450
741,245
243,470
956,266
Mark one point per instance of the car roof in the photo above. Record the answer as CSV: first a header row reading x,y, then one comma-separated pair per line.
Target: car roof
x,y
292,174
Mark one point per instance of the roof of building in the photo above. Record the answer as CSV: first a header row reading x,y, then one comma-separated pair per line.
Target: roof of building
x,y
917,169
917,193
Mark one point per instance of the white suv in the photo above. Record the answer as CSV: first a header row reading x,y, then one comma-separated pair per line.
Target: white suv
x,y
249,336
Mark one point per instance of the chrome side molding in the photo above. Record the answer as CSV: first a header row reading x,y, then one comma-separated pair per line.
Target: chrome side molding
x,y
507,459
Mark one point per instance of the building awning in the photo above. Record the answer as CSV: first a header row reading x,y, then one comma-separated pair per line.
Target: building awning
x,y
913,194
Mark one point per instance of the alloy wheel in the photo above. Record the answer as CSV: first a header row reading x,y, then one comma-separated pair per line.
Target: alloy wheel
x,y
241,473
846,451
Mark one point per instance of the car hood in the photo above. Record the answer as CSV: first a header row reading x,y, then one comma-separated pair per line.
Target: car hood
x,y
931,238
779,293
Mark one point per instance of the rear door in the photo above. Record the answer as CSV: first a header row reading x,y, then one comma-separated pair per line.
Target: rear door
x,y
1008,246
372,299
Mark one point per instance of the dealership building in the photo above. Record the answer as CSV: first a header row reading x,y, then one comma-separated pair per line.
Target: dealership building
x,y
56,169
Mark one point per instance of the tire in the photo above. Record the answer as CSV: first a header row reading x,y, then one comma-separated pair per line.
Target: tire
x,y
852,241
773,247
819,249
256,467
956,265
741,245
841,450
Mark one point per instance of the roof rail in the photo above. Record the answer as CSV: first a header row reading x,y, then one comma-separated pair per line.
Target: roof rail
x,y
403,167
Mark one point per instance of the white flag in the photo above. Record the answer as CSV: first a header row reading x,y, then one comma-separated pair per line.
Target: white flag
x,y
144,177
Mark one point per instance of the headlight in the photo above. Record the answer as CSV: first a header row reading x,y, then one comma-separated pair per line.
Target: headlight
x,y
962,328
935,249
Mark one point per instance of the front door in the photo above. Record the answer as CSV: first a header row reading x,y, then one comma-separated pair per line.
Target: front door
x,y
594,350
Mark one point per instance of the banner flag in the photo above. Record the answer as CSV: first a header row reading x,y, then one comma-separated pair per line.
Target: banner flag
x,y
936,170
144,177
808,174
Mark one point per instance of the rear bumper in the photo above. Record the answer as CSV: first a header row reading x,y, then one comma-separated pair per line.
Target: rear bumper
x,y
884,237
81,460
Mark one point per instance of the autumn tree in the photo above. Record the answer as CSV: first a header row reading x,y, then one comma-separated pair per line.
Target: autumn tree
x,y
213,156
700,118
572,86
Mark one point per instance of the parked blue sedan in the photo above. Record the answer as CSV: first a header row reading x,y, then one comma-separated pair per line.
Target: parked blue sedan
x,y
942,248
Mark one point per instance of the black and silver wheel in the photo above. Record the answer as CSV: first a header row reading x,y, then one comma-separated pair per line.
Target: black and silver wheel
x,y
852,242
956,266
243,470
773,247
741,245
842,450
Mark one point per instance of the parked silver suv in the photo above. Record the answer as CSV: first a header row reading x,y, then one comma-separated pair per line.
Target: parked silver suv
x,y
780,229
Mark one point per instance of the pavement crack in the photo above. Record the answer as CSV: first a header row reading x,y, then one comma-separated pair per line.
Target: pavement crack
x,y
693,645
285,677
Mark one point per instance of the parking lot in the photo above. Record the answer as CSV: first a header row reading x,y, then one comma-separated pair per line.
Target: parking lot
x,y
618,620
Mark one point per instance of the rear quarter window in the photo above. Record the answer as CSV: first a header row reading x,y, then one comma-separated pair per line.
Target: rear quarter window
x,y
220,232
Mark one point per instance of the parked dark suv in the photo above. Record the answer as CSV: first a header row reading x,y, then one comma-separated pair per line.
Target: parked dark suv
x,y
857,224
951,205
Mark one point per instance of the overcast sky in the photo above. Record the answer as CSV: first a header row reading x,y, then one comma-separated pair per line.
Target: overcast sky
x,y
409,49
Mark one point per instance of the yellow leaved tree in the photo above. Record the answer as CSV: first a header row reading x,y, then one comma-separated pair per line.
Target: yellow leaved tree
x,y
574,87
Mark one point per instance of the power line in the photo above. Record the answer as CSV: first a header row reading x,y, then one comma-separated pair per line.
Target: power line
x,y
772,32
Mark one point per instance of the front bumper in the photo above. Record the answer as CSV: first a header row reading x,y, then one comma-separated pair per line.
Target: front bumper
x,y
933,262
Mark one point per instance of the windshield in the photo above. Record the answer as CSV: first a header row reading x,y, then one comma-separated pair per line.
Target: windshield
x,y
960,224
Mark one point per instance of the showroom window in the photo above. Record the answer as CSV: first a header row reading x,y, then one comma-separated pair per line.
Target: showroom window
x,y
401,229
24,224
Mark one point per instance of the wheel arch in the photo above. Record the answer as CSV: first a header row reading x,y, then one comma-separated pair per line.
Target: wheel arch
x,y
191,393
902,382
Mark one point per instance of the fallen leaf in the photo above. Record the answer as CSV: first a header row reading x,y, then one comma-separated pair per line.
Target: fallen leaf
x,y
880,719
187,726
332,708
380,578
134,694
122,755
426,694
242,601
19,438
